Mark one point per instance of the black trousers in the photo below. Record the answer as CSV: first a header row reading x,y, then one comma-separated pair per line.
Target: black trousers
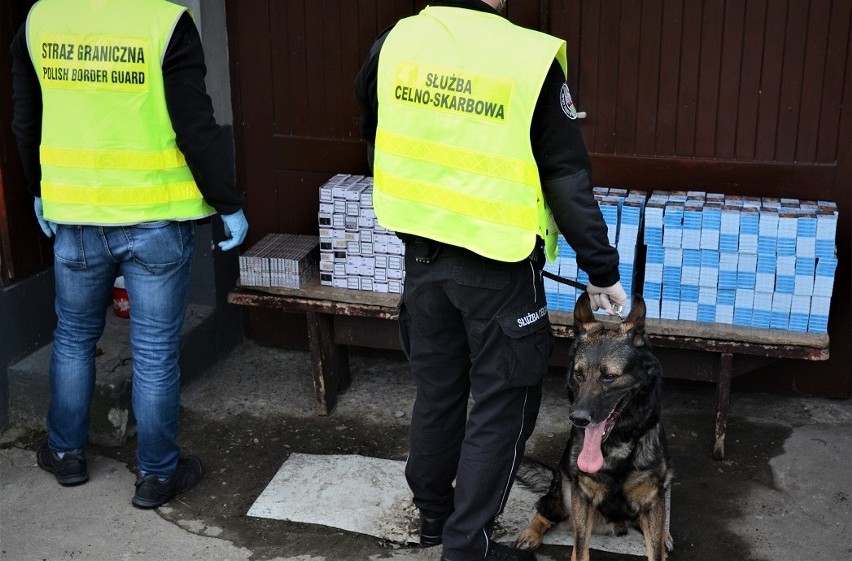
x,y
471,328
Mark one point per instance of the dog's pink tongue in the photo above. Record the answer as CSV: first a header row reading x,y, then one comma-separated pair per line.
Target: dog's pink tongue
x,y
591,459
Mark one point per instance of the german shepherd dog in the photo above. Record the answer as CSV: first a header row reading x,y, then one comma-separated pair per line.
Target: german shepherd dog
x,y
615,468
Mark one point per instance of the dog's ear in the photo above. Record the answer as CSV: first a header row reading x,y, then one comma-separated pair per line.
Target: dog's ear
x,y
584,319
569,375
634,324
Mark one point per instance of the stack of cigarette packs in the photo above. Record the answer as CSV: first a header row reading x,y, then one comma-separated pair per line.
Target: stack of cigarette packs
x,y
280,260
355,251
622,211
756,262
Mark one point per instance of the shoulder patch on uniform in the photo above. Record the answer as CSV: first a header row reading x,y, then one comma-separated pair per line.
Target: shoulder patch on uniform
x,y
567,103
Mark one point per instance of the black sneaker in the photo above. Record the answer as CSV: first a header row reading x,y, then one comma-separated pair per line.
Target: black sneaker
x,y
151,492
69,471
500,552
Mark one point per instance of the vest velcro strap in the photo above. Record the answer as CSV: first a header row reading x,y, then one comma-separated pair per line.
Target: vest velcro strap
x,y
506,214
480,163
116,196
110,159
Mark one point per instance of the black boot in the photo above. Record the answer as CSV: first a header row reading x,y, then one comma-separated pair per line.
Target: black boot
x,y
500,552
431,529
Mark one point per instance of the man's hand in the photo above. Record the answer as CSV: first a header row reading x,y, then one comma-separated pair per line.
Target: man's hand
x,y
236,228
49,228
606,298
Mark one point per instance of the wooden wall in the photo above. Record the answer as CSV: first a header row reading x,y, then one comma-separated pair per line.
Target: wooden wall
x,y
750,91
733,96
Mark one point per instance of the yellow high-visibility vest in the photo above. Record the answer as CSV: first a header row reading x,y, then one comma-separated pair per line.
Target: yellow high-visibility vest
x,y
108,152
453,161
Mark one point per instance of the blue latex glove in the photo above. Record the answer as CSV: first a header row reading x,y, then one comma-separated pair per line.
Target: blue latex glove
x,y
49,228
236,228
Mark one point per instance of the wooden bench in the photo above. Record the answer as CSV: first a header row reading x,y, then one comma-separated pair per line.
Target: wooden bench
x,y
711,348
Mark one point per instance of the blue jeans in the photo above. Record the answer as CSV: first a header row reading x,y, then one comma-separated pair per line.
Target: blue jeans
x,y
155,260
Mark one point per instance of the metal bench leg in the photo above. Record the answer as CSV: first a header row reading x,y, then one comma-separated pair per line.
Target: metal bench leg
x,y
330,361
723,398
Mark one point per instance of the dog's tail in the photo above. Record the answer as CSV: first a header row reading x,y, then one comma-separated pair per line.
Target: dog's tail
x,y
534,475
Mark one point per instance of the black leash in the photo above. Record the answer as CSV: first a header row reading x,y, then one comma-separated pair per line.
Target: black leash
x,y
563,280
617,308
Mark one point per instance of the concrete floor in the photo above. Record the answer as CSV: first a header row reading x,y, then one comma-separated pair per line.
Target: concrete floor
x,y
784,492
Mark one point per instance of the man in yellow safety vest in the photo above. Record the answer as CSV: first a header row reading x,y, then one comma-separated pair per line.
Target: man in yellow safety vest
x,y
478,164
122,153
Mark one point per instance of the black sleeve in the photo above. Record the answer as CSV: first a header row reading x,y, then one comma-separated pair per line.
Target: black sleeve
x,y
367,95
206,146
565,170
26,116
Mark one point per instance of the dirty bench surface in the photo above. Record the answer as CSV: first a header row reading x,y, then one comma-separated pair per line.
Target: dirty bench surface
x,y
718,343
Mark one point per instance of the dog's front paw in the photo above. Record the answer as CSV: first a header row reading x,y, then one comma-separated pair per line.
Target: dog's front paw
x,y
532,536
529,539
